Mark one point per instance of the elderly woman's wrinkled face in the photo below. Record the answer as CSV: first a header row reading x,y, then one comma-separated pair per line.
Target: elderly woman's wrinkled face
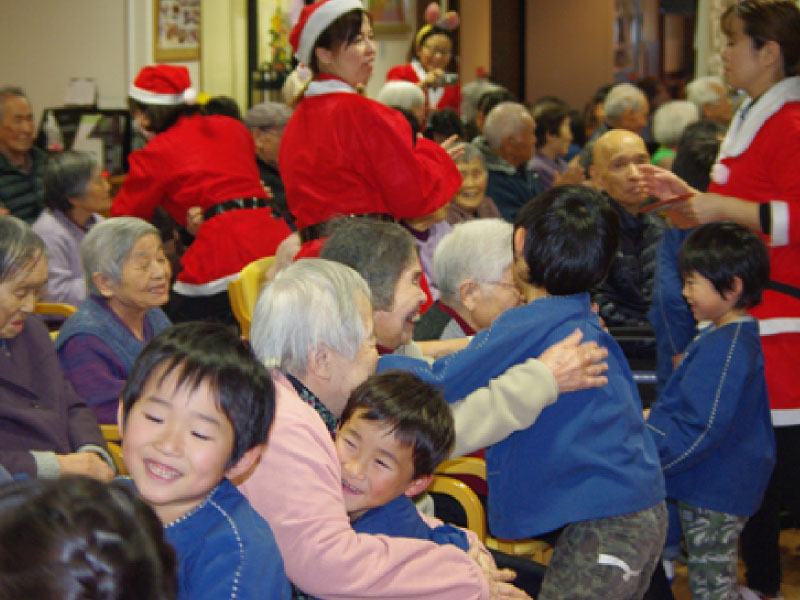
x,y
394,327
145,277
97,198
473,185
18,295
490,299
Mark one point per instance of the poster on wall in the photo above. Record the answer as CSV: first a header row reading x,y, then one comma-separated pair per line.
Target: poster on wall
x,y
176,30
389,16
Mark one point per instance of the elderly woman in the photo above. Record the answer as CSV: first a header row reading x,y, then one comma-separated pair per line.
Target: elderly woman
x,y
404,94
669,122
314,322
472,269
75,191
471,201
127,274
46,430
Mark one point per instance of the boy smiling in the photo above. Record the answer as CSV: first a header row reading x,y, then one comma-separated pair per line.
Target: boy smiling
x,y
195,412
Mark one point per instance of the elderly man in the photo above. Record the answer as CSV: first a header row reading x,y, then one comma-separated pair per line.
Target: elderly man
x,y
507,144
624,297
711,97
266,122
21,165
625,107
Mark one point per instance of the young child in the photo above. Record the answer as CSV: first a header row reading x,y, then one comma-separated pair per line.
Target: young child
x,y
394,431
712,424
587,464
195,412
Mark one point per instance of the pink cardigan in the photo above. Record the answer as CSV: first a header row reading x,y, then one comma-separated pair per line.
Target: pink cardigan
x,y
297,488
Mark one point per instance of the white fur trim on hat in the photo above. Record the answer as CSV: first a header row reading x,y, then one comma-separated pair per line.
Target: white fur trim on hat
x,y
148,97
317,23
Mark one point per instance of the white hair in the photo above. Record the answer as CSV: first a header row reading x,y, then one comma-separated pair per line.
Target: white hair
x,y
311,303
504,120
621,98
671,119
479,250
401,94
705,90
471,94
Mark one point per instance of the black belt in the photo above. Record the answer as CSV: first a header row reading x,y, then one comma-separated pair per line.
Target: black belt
x,y
324,229
235,204
783,288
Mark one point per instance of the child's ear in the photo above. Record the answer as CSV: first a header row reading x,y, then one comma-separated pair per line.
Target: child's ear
x,y
245,463
419,485
519,242
736,289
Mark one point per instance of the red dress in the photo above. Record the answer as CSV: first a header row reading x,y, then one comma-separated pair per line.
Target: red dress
x,y
343,154
448,97
759,162
203,161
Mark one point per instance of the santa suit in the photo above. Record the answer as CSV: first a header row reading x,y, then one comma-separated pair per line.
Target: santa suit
x,y
448,96
758,162
343,154
204,161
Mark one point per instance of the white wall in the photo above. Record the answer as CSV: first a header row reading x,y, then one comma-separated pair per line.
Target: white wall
x,y
45,42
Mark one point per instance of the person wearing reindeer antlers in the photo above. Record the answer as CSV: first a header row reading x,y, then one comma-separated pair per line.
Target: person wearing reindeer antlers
x,y
430,53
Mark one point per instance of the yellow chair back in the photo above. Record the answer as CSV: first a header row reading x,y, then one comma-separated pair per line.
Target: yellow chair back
x,y
113,441
469,501
243,292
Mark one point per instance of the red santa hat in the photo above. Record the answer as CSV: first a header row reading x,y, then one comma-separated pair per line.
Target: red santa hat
x,y
165,85
314,19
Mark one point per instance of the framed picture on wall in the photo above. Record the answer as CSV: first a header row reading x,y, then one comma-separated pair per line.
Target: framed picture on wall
x,y
389,16
176,30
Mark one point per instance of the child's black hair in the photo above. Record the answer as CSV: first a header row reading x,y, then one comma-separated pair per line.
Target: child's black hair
x,y
571,239
723,250
75,537
415,410
212,353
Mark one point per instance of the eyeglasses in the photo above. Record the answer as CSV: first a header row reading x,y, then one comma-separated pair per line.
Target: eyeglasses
x,y
440,50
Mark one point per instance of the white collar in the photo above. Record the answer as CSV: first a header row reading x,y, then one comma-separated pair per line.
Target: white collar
x,y
328,86
744,129
418,69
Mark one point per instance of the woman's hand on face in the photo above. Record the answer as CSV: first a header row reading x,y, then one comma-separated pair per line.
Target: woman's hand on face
x,y
576,366
87,464
663,184
454,147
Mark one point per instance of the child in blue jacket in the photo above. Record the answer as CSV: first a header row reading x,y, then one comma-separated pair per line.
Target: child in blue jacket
x,y
196,411
588,463
712,424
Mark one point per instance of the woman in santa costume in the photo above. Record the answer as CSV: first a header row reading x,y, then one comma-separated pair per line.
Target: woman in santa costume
x,y
343,154
192,160
431,51
756,182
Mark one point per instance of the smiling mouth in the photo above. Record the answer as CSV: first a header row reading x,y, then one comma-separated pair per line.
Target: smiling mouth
x,y
161,471
350,489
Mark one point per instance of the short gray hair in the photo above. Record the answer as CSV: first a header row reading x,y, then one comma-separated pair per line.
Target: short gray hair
x,y
623,97
19,245
503,121
107,245
377,250
705,90
311,303
471,94
66,176
671,119
10,91
268,115
479,250
470,153
401,94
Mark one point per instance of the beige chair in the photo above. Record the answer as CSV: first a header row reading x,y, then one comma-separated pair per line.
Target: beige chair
x,y
537,550
243,292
